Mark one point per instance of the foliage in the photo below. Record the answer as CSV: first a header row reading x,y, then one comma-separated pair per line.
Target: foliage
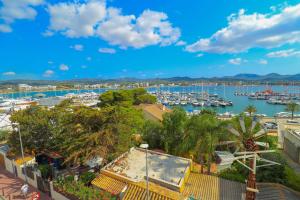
x,y
208,111
282,174
79,190
292,178
273,173
292,107
235,173
202,135
77,132
35,127
241,140
152,133
271,140
173,129
87,177
45,170
3,135
251,110
126,98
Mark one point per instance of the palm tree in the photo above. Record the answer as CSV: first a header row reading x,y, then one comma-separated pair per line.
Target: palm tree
x,y
203,133
251,110
292,107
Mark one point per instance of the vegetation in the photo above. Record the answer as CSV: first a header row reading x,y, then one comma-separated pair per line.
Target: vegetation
x,y
87,177
78,132
203,134
292,107
126,98
78,189
282,174
251,110
3,135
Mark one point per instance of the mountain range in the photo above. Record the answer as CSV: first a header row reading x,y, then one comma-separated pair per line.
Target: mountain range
x,y
272,77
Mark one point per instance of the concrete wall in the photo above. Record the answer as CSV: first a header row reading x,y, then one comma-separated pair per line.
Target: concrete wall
x,y
292,146
55,195
9,165
32,182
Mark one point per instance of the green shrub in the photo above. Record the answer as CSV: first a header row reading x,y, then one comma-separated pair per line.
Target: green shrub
x,y
293,179
69,186
45,170
87,177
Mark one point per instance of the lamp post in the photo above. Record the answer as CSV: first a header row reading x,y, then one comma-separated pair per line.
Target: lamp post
x,y
17,126
146,146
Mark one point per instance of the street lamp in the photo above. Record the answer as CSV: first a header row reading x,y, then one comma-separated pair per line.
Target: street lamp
x,y
17,128
146,146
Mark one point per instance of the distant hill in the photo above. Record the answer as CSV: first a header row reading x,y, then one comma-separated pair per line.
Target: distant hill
x,y
272,77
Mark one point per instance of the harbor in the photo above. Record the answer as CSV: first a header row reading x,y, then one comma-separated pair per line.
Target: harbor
x,y
225,100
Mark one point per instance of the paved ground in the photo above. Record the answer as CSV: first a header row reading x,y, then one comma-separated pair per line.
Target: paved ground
x,y
11,187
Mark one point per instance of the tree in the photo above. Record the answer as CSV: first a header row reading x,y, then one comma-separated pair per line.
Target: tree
x,y
145,98
251,110
126,98
292,107
35,127
173,129
152,134
203,133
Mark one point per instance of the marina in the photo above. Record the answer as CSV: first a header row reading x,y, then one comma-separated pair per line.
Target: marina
x,y
225,100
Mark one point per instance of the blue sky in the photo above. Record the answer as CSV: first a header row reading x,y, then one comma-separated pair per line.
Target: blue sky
x,y
48,39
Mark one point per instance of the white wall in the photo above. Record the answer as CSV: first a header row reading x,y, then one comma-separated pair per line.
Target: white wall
x,y
32,182
8,164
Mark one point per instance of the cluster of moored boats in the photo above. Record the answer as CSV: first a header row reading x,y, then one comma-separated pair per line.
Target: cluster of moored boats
x,y
202,99
272,97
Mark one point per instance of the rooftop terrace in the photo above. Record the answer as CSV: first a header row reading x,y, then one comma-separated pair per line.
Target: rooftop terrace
x,y
162,168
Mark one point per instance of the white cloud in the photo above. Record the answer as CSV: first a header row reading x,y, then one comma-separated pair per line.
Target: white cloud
x,y
76,19
263,62
199,55
254,30
48,73
107,50
5,28
12,10
64,67
150,28
236,61
283,53
93,18
9,73
48,33
180,43
77,47
88,58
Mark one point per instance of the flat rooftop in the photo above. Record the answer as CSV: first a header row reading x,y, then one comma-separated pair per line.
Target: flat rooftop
x,y
161,167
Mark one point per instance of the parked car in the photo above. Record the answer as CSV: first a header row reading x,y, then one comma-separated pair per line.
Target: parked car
x,y
270,125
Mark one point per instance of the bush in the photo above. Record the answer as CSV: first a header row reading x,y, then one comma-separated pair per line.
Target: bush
x,y
235,173
273,173
45,170
87,177
68,186
293,179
